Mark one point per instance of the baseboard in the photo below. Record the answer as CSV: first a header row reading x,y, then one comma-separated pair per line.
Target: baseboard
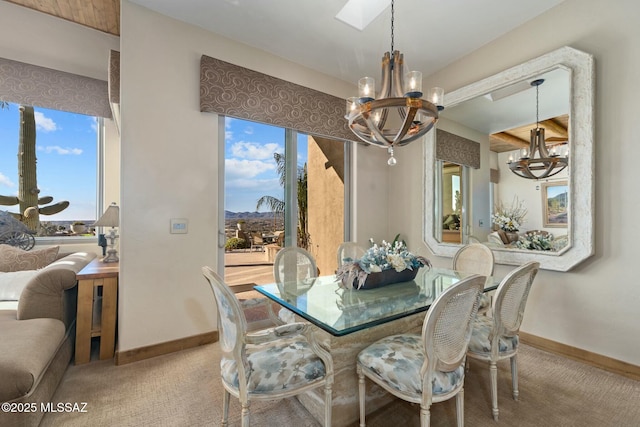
x,y
130,356
599,361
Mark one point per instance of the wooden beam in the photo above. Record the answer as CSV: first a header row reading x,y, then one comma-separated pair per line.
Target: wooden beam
x,y
553,126
510,139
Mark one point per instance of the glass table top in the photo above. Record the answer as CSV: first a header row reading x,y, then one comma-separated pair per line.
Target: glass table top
x,y
341,311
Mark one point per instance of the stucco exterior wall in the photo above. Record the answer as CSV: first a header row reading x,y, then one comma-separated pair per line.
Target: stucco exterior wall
x,y
325,201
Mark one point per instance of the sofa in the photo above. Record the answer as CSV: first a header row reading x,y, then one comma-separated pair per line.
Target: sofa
x,y
37,333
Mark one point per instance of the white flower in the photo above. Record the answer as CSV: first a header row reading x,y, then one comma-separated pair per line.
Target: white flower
x,y
375,268
509,218
397,262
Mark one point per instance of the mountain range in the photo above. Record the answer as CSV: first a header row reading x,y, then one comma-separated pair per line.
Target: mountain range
x,y
245,215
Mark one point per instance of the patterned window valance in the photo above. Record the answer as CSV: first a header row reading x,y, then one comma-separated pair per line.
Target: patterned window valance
x,y
114,86
456,149
494,176
32,85
114,77
235,91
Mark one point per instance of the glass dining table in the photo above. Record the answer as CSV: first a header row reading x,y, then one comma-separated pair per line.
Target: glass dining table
x,y
348,320
339,311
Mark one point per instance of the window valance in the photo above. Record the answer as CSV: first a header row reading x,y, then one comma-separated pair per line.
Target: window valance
x,y
494,176
114,86
114,77
236,91
456,149
27,84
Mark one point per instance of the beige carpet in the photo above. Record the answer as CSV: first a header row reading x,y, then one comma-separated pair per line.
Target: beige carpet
x,y
183,389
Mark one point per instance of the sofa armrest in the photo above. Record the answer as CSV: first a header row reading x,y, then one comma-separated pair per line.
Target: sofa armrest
x,y
52,293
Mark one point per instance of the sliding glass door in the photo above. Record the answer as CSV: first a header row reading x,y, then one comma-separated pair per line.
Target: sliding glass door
x,y
279,188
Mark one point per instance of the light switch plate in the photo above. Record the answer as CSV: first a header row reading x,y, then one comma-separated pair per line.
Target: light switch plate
x,y
179,226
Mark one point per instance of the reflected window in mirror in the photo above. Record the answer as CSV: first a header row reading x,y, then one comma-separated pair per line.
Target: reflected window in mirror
x,y
451,190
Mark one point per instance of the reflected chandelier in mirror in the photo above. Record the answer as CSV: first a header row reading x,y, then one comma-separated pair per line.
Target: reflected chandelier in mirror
x,y
578,67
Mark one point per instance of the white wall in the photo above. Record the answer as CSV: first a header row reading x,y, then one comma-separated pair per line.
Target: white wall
x,y
594,306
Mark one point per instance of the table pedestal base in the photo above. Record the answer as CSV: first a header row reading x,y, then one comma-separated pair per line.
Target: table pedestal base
x,y
344,351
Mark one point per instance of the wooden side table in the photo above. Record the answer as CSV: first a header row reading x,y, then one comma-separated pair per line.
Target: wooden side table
x,y
95,277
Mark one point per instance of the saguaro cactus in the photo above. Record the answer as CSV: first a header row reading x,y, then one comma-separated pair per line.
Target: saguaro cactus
x,y
28,191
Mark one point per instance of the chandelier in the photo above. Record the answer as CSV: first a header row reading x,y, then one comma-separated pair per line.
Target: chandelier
x,y
548,162
367,115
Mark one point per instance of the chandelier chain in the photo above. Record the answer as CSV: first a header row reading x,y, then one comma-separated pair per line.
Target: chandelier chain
x,y
392,10
537,106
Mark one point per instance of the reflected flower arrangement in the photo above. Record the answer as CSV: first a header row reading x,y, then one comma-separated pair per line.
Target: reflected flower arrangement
x,y
509,218
535,241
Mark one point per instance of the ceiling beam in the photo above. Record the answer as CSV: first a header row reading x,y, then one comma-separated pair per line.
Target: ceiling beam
x,y
510,139
552,126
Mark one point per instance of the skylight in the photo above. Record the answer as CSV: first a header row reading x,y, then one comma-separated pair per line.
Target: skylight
x,y
360,13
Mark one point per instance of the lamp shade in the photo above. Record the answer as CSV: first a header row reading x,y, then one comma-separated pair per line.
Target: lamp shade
x,y
110,217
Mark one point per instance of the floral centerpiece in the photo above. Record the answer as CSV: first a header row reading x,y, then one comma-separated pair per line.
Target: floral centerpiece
x,y
381,265
509,218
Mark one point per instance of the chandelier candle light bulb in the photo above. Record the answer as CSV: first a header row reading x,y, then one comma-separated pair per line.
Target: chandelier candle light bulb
x,y
414,86
366,89
436,96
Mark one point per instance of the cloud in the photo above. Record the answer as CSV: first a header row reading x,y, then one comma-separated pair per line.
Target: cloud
x,y
248,130
44,123
254,150
6,181
264,185
59,150
94,123
228,133
237,168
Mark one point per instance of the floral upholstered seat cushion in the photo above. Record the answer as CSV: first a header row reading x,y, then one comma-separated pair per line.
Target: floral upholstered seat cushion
x,y
276,366
397,360
480,344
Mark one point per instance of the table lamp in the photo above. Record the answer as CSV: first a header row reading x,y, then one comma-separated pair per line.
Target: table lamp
x,y
110,218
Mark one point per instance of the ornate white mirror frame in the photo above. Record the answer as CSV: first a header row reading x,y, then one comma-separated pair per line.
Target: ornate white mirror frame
x,y
580,66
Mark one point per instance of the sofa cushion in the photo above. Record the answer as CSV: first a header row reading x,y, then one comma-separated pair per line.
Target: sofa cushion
x,y
26,350
16,259
12,284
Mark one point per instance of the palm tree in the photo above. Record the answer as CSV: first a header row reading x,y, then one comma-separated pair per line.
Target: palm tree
x,y
277,206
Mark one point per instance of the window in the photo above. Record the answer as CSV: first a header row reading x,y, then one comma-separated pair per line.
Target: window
x,y
282,188
67,155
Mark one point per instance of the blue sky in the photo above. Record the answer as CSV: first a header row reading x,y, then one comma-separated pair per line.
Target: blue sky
x,y
66,146
250,170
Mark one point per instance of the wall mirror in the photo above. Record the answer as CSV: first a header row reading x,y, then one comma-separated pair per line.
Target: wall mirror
x,y
497,113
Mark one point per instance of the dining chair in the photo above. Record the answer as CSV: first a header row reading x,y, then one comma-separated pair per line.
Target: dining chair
x,y
496,338
478,259
270,364
293,266
429,368
349,251
257,242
